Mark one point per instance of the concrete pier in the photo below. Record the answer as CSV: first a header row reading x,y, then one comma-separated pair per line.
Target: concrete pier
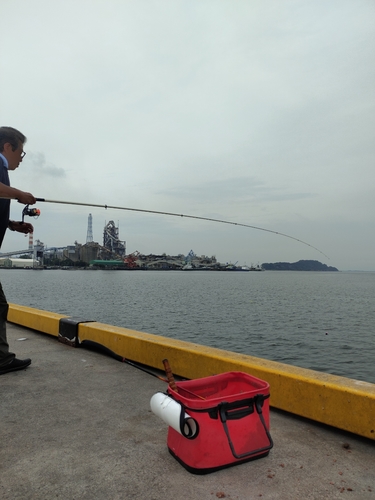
x,y
77,425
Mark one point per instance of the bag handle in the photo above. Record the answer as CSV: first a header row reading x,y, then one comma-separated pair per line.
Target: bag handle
x,y
246,408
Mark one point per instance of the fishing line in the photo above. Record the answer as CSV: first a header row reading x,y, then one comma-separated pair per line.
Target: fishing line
x,y
196,217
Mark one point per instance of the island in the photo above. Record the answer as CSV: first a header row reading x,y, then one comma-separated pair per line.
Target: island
x,y
301,265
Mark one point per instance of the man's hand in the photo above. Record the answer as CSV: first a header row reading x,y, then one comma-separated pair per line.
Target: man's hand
x,y
25,198
21,227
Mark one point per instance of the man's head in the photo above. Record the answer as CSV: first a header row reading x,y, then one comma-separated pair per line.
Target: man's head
x,y
11,146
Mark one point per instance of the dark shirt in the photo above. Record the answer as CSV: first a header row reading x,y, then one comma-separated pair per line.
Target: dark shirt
x,y
4,204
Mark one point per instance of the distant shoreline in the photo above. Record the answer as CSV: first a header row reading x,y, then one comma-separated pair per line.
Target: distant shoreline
x,y
301,265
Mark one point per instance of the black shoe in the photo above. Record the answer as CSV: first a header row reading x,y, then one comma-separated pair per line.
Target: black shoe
x,y
15,364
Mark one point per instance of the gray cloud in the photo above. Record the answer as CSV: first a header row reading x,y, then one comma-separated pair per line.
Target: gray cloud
x,y
232,190
41,166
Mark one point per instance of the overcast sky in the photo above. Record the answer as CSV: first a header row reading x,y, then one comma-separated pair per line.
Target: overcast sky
x,y
257,112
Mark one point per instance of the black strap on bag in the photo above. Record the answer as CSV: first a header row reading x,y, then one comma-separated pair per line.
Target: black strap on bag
x,y
240,409
189,428
235,411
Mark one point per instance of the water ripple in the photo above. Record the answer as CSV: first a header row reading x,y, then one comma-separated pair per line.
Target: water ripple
x,y
322,321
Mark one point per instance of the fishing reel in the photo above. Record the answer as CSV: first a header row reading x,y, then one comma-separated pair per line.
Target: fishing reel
x,y
31,212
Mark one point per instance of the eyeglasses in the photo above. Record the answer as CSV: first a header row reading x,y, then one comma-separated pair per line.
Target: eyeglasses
x,y
23,154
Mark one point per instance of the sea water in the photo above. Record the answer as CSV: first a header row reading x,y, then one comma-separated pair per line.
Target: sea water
x,y
319,320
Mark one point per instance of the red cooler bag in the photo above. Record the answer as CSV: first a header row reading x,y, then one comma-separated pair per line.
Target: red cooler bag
x,y
231,414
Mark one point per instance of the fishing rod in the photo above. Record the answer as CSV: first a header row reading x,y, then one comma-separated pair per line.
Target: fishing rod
x,y
95,346
171,214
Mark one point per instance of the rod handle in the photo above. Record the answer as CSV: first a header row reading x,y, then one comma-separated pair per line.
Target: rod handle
x,y
169,374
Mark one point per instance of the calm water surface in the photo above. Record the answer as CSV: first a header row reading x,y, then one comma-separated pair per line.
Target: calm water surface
x,y
322,321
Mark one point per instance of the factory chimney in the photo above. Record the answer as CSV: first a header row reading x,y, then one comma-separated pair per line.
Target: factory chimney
x,y
89,237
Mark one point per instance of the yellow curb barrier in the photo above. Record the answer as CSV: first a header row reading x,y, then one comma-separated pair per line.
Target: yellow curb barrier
x,y
337,401
37,319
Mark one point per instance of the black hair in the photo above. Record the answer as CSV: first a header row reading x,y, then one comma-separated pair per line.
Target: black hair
x,y
12,136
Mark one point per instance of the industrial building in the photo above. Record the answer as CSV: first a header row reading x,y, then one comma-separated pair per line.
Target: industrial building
x,y
111,254
19,263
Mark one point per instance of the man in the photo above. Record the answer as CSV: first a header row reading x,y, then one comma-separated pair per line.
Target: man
x,y
11,155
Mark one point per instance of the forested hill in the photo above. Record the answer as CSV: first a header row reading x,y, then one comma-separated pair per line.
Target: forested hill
x,y
301,265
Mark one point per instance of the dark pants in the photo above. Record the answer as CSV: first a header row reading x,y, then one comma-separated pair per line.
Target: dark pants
x,y
5,356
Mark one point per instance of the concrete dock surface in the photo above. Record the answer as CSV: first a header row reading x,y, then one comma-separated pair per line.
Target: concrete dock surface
x,y
77,424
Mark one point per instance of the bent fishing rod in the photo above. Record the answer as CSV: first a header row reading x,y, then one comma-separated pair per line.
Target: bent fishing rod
x,y
171,214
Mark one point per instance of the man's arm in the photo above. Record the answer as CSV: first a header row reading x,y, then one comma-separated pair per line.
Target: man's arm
x,y
16,194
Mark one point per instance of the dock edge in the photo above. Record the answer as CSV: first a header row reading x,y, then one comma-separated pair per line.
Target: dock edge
x,y
340,402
